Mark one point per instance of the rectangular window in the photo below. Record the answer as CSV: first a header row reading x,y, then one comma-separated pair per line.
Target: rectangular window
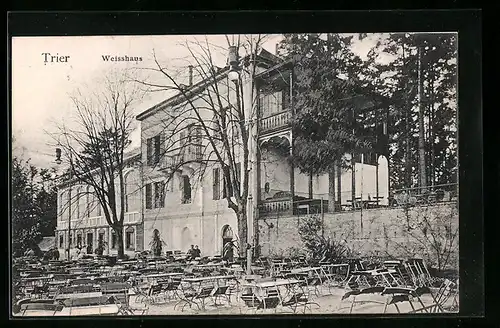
x,y
271,103
159,194
149,197
113,240
186,190
79,240
101,237
216,183
129,239
61,241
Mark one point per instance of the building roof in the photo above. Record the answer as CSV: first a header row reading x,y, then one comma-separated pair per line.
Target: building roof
x,y
127,156
265,58
47,243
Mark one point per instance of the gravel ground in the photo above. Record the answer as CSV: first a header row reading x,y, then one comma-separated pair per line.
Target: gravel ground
x,y
328,304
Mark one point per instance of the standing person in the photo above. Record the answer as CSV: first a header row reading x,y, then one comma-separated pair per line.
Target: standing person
x,y
56,254
89,249
190,253
197,251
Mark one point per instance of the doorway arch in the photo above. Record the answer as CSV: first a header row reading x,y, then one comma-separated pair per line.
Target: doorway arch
x,y
227,236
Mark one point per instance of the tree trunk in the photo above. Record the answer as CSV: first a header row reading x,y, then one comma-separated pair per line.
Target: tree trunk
x,y
119,240
331,191
421,127
242,233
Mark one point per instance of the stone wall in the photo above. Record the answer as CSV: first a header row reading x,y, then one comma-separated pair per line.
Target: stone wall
x,y
419,231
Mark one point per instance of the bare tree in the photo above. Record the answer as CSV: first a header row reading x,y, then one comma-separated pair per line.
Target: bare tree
x,y
212,123
95,141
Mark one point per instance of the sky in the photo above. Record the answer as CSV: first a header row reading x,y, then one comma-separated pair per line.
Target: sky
x,y
41,87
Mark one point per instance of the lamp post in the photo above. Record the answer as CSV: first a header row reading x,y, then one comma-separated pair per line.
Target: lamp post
x,y
234,76
58,162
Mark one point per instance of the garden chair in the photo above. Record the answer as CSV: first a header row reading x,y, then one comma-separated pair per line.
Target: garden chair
x,y
355,294
153,294
221,292
299,298
171,288
408,296
198,298
120,294
256,303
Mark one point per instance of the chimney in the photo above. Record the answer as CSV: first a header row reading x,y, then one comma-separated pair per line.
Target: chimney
x,y
190,75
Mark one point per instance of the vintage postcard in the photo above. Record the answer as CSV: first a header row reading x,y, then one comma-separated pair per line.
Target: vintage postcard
x,y
235,174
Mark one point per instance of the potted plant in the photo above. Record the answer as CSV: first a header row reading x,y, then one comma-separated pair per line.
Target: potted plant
x,y
101,244
156,244
228,250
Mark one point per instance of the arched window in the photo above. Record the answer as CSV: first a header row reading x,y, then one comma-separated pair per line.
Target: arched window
x,y
129,238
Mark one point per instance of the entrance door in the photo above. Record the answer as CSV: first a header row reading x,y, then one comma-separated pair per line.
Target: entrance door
x,y
90,242
227,240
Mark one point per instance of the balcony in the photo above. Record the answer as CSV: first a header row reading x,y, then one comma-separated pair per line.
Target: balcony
x,y
276,121
131,217
287,207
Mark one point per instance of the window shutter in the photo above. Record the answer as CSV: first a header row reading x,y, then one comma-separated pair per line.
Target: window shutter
x,y
162,194
157,149
149,199
149,151
216,183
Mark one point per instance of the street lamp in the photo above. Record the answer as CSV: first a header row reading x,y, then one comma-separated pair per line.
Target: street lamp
x,y
234,76
234,62
58,162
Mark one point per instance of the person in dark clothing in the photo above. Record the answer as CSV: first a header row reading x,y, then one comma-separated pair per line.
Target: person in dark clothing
x,y
190,253
197,252
89,249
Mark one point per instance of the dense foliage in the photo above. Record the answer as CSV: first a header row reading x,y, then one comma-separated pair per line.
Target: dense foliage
x,y
407,81
319,246
34,206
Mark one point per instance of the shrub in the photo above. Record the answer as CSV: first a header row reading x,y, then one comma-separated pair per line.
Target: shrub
x,y
320,247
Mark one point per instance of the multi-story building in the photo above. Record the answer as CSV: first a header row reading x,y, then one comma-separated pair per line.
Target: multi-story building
x,y
180,190
193,209
77,202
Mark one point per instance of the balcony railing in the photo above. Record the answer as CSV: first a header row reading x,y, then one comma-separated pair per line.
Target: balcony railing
x,y
275,121
444,193
131,217
283,206
97,221
431,195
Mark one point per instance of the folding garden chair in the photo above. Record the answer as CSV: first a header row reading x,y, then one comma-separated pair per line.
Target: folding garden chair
x,y
221,292
355,294
171,288
256,303
297,299
409,296
190,297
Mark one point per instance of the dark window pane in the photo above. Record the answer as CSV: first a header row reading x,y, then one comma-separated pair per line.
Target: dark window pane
x,y
216,183
149,200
